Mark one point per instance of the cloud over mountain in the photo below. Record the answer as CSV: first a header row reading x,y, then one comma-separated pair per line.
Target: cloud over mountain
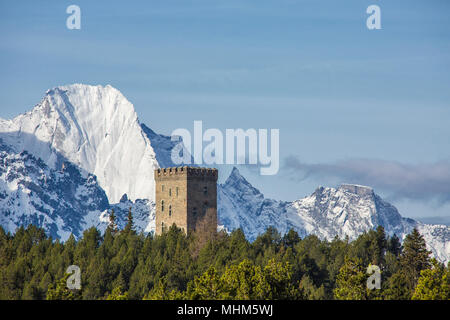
x,y
426,181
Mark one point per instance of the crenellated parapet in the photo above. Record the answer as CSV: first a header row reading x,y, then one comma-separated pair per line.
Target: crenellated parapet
x,y
186,171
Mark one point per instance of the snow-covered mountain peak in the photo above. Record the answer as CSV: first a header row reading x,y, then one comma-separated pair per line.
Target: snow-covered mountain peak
x,y
234,176
94,127
349,204
88,102
236,181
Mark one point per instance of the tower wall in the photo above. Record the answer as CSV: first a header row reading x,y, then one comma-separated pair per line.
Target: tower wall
x,y
186,196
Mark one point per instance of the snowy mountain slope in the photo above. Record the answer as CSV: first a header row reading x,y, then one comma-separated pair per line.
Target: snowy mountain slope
x,y
162,145
97,129
240,205
60,201
346,211
437,238
57,200
142,210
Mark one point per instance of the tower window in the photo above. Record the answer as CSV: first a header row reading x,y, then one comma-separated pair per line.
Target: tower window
x,y
194,211
205,190
162,188
170,210
170,192
176,191
162,205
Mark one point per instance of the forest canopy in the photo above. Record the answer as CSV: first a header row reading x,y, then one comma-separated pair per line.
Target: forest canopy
x,y
121,265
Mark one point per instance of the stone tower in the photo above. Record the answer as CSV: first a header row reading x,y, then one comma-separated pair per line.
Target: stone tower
x,y
186,196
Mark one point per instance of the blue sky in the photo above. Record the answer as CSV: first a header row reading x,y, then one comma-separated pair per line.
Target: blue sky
x,y
338,92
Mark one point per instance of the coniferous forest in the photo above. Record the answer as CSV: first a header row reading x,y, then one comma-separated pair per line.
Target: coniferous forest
x,y
121,265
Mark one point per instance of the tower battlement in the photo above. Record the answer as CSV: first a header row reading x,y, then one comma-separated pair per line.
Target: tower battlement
x,y
190,171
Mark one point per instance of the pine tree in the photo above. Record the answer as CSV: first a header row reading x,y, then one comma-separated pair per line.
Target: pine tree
x,y
112,223
161,292
309,291
414,258
351,281
117,294
291,238
208,286
129,228
244,281
380,245
277,282
397,287
433,284
61,292
394,246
